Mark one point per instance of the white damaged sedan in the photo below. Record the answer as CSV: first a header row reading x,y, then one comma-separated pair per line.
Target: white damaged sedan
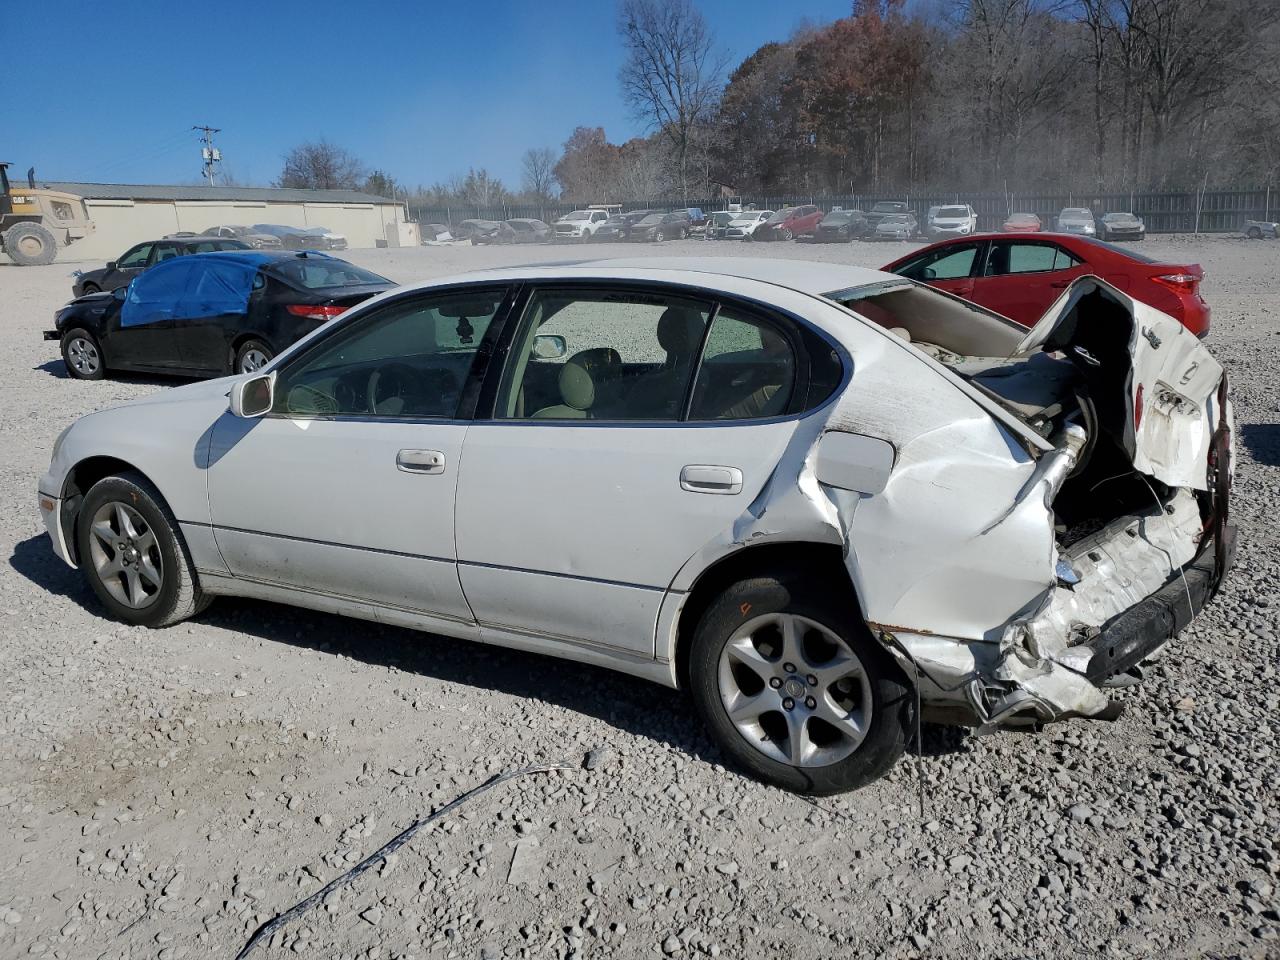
x,y
813,496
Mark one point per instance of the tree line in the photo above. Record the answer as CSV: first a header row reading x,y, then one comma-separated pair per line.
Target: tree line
x,y
943,94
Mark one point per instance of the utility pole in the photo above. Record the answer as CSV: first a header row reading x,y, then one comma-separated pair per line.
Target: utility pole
x,y
210,153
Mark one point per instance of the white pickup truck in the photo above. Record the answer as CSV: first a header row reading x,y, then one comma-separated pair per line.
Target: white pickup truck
x,y
580,224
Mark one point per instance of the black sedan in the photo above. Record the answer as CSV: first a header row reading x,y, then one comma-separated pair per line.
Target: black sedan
x,y
841,226
118,273
618,227
661,226
210,314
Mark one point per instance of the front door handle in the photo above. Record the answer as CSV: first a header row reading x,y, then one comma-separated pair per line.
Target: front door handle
x,y
705,478
420,461
1059,284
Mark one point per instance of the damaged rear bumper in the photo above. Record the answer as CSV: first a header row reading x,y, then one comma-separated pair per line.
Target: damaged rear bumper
x,y
1134,635
1026,680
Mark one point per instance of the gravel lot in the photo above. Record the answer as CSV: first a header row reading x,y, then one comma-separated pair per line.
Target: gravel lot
x,y
164,793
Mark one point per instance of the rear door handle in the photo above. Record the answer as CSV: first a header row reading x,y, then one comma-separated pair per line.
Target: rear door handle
x,y
420,461
705,478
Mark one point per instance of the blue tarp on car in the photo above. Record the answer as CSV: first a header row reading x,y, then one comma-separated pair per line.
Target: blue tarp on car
x,y
201,285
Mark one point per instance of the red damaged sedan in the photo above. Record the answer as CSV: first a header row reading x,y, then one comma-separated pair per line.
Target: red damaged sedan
x,y
1021,276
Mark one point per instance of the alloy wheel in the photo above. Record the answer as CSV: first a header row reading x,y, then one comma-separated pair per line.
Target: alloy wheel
x,y
125,555
253,360
84,356
795,690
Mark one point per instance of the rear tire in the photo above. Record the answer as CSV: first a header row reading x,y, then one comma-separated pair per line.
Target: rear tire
x,y
252,356
856,728
30,245
1255,233
82,355
133,555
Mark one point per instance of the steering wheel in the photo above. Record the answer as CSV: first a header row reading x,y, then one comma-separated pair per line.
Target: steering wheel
x,y
397,389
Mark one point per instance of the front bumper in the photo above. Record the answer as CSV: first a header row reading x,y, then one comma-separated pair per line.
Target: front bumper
x,y
51,514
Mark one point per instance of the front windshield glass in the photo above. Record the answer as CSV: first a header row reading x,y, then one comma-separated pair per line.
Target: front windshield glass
x,y
577,215
952,212
887,207
782,214
652,218
838,216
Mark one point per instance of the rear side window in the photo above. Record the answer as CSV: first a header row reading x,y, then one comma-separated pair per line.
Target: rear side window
x,y
748,371
1008,258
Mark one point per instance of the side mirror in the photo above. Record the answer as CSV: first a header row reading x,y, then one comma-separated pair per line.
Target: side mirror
x,y
929,274
252,397
111,264
549,347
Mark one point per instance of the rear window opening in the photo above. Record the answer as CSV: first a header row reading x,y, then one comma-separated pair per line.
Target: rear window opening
x,y
314,273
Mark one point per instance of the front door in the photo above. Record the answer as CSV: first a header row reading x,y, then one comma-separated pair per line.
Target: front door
x,y
346,488
600,474
132,263
143,335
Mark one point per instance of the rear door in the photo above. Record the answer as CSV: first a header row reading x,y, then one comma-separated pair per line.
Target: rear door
x,y
604,469
217,302
1021,278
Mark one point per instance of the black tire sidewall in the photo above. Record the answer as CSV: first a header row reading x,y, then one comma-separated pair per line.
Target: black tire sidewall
x,y
172,555
71,371
892,703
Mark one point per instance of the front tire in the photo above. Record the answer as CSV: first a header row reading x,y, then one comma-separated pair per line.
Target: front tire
x,y
793,687
133,555
30,245
252,356
1255,233
82,355
90,288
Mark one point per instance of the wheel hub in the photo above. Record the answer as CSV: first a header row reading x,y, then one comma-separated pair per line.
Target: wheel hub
x,y
794,687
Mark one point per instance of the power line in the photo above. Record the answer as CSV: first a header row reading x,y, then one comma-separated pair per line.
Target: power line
x,y
210,153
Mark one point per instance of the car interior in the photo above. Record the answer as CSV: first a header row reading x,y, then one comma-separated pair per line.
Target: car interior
x,y
633,360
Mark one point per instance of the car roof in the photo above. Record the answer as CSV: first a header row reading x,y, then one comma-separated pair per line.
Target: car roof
x,y
804,276
260,258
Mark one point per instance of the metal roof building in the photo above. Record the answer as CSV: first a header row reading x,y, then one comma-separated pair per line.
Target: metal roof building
x,y
126,213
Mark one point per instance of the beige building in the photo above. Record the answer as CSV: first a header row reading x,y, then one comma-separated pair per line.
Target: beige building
x,y
125,214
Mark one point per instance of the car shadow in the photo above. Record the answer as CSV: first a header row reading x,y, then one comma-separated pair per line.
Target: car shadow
x,y
56,368
629,704
633,705
1263,442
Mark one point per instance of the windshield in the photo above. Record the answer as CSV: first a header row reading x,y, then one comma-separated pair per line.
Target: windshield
x,y
1023,218
1077,213
888,206
952,212
1114,217
783,214
838,216
722,217
313,273
652,218
1123,251
577,215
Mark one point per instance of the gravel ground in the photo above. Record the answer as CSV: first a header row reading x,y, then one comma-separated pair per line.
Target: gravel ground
x,y
164,793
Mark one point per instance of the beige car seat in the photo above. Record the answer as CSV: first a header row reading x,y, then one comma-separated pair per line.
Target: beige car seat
x,y
584,380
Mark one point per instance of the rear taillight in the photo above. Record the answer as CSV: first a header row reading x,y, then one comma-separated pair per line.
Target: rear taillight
x,y
1178,282
315,311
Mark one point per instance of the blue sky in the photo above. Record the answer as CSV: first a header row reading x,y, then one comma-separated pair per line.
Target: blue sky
x,y
421,88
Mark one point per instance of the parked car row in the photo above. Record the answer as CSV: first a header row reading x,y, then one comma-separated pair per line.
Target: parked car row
x,y
272,236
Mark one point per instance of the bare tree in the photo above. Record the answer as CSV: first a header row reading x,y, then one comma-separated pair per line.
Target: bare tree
x,y
671,75
321,165
539,172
